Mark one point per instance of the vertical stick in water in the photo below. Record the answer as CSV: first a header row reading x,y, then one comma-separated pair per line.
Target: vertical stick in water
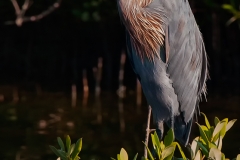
x,y
74,95
85,88
98,76
139,96
121,92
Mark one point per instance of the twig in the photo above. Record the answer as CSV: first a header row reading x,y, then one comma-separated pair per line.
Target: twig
x,y
20,13
148,131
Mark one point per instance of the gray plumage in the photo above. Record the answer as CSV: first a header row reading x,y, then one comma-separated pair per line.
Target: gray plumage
x,y
173,79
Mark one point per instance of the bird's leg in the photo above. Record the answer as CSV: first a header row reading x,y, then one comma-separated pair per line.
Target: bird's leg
x,y
160,129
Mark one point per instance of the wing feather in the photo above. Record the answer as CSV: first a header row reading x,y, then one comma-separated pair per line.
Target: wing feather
x,y
187,64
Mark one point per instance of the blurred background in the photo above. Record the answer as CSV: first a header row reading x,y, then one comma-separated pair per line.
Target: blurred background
x,y
63,70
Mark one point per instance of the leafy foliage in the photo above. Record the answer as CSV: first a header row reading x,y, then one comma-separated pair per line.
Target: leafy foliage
x,y
232,8
206,146
164,150
72,150
209,143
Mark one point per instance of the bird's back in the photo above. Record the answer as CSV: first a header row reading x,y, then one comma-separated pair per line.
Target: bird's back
x,y
174,79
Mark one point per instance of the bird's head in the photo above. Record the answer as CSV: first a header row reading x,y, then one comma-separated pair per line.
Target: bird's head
x,y
145,26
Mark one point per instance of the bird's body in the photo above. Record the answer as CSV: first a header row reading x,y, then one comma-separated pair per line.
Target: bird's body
x,y
167,53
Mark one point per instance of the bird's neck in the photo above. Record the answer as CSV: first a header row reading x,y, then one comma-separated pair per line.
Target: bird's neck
x,y
144,26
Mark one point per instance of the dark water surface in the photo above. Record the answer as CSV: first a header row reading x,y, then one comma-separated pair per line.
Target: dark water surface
x,y
29,126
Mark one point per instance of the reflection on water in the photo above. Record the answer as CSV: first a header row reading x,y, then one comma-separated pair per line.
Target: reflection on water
x,y
107,123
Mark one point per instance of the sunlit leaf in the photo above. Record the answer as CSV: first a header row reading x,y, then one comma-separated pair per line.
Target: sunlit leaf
x,y
162,146
194,147
167,151
215,154
238,157
68,143
118,157
219,143
60,142
123,154
71,149
223,130
223,157
153,141
77,148
206,121
230,124
198,155
169,138
218,128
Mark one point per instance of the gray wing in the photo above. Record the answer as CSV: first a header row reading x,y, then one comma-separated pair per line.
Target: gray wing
x,y
187,61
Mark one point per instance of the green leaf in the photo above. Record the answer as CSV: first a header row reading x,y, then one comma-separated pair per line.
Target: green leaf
x,y
202,134
149,152
228,7
123,154
68,143
206,131
169,138
71,149
216,121
167,151
206,120
181,151
55,151
204,149
135,157
230,124
215,154
77,148
63,154
60,142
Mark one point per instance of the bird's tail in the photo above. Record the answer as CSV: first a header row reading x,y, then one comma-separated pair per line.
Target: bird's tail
x,y
182,130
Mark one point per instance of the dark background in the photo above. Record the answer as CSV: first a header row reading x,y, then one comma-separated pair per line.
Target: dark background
x,y
54,50
52,54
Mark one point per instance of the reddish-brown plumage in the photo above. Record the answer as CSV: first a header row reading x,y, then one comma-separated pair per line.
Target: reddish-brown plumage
x,y
144,26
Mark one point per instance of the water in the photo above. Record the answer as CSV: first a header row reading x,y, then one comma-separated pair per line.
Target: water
x,y
105,124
